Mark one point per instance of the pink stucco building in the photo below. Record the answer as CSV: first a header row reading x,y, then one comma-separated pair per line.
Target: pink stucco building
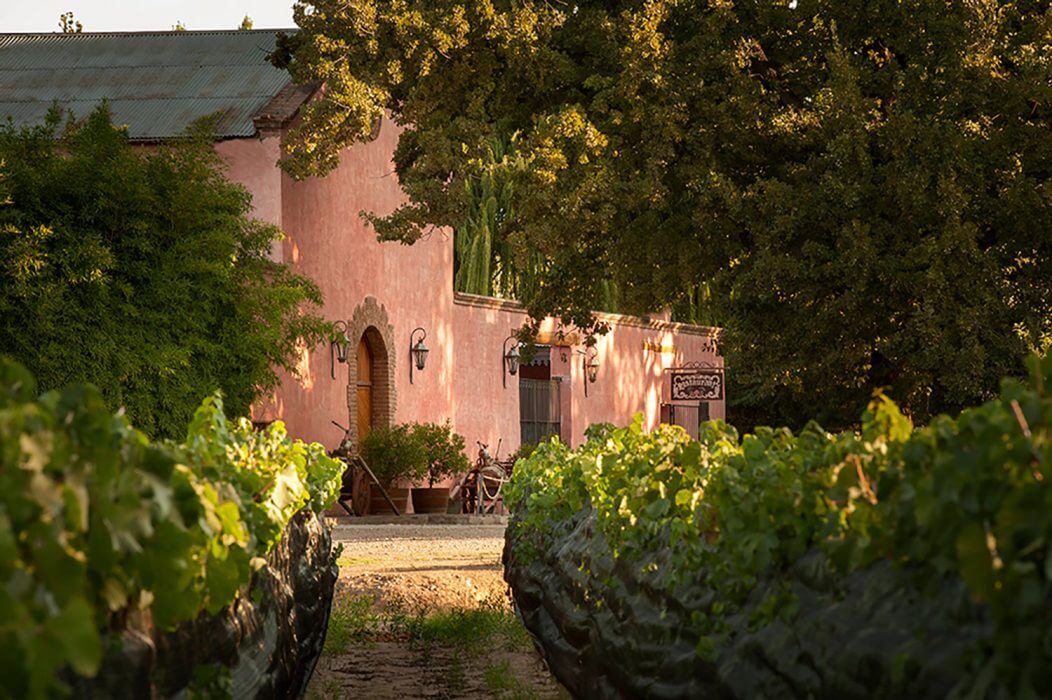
x,y
386,290
382,291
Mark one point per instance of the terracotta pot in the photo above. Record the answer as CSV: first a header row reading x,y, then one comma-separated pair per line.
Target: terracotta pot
x,y
378,505
433,500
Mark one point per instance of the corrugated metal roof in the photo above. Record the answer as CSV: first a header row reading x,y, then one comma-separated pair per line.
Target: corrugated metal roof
x,y
157,83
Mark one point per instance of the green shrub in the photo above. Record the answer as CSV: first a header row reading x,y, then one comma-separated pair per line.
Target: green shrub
x,y
96,521
142,272
394,454
443,450
968,497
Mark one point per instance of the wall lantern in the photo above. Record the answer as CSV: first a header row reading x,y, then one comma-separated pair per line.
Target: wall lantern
x,y
417,352
590,365
510,360
338,347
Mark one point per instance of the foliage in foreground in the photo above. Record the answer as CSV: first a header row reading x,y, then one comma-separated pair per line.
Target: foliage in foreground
x,y
140,271
966,497
857,191
99,525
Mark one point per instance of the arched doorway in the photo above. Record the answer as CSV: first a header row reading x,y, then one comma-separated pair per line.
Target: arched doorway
x,y
371,398
371,385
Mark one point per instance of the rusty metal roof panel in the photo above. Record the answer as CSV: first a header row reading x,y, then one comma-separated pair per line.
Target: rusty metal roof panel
x,y
156,83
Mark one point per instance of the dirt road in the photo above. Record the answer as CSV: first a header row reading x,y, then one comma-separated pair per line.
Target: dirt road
x,y
422,611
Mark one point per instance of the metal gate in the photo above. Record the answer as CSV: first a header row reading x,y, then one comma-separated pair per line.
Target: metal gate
x,y
538,409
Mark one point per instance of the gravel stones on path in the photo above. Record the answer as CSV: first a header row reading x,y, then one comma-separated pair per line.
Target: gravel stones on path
x,y
423,567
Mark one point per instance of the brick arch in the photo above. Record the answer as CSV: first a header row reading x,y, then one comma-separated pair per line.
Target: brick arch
x,y
370,321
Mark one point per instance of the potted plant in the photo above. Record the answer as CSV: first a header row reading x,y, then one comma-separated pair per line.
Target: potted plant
x,y
444,457
394,455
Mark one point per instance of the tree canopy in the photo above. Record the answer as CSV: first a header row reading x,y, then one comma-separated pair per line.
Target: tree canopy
x,y
140,271
858,190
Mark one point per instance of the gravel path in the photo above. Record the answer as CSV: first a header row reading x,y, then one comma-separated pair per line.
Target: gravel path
x,y
415,539
424,569
423,566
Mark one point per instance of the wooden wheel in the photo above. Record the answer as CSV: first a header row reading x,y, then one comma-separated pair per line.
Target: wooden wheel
x,y
491,482
360,490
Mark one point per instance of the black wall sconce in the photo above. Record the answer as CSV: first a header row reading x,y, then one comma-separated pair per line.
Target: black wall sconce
x,y
590,366
338,347
510,360
417,352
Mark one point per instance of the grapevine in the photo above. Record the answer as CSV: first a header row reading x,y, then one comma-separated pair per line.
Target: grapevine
x,y
963,499
97,522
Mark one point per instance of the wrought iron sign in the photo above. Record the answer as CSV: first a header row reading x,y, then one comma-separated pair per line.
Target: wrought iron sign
x,y
697,383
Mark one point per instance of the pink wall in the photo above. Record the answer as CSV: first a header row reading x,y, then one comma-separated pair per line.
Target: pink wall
x,y
327,240
251,163
630,377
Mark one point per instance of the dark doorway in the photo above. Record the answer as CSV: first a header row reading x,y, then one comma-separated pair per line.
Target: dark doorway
x,y
687,415
539,415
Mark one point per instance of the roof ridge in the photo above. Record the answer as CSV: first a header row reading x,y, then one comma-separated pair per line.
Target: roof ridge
x,y
156,82
94,100
144,66
150,32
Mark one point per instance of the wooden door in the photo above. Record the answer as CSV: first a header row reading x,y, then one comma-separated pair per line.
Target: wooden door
x,y
365,390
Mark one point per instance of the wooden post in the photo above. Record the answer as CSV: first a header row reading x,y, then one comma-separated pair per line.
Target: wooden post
x,y
376,481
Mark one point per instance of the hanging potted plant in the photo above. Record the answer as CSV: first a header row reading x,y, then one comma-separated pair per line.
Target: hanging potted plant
x,y
394,455
444,457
